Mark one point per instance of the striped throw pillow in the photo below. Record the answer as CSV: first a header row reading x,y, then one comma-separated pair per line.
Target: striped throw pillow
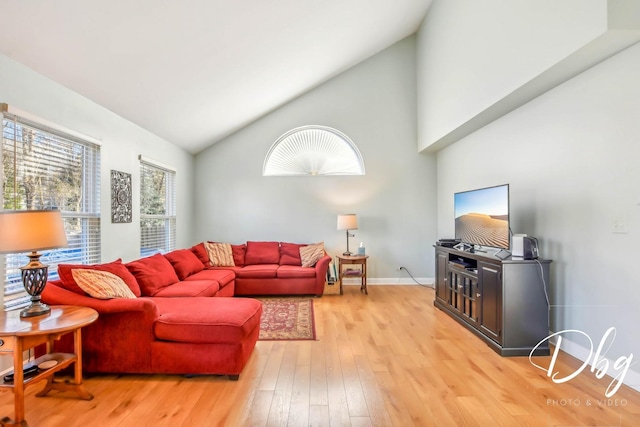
x,y
220,254
101,284
311,254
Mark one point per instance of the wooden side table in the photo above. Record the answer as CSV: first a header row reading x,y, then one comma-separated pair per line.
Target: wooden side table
x,y
361,260
19,334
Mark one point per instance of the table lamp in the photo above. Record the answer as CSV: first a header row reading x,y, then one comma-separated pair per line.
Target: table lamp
x,y
32,231
347,222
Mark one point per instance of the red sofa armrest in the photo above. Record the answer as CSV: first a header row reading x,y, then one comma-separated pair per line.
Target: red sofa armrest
x,y
55,295
321,273
119,340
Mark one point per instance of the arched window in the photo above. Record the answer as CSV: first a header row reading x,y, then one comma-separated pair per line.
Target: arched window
x,y
313,150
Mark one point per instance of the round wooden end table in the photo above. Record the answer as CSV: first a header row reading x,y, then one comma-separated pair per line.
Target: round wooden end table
x,y
19,334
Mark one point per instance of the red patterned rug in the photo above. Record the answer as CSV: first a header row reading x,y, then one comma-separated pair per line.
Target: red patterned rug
x,y
287,319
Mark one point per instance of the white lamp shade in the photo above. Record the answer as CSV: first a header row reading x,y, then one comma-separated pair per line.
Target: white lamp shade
x,y
30,231
347,222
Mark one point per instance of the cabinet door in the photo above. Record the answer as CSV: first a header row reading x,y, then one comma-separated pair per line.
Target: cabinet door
x,y
490,284
456,284
471,300
441,276
463,294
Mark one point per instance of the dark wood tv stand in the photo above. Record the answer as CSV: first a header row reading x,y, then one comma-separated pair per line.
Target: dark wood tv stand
x,y
501,301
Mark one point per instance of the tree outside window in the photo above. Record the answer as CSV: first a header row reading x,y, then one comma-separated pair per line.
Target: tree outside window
x,y
46,169
157,209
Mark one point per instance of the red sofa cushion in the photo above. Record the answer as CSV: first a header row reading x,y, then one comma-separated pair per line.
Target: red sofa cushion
x,y
223,276
190,288
238,252
262,253
293,271
184,262
290,254
153,273
116,267
201,252
260,271
206,320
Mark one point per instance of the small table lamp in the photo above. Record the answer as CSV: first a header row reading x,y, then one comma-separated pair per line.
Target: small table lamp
x,y
347,222
31,231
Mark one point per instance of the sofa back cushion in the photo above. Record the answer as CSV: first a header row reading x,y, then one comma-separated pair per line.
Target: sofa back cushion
x,y
201,252
116,267
290,254
153,273
239,252
262,253
184,262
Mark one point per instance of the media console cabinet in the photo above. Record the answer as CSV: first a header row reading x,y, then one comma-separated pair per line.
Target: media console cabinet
x,y
501,301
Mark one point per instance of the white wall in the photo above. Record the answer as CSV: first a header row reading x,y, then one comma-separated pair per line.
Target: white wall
x,y
495,55
571,159
122,142
374,103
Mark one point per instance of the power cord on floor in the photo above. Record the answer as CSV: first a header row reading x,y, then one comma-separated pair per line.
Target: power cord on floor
x,y
414,279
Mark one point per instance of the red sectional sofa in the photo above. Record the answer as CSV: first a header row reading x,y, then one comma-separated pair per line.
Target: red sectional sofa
x,y
182,318
271,268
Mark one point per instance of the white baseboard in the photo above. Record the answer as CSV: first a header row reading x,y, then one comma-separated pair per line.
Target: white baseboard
x,y
426,281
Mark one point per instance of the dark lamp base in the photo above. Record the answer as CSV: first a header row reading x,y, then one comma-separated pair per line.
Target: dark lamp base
x,y
34,278
347,253
35,309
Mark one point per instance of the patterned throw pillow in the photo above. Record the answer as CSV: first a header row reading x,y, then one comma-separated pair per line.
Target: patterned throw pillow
x,y
116,267
220,254
101,284
311,254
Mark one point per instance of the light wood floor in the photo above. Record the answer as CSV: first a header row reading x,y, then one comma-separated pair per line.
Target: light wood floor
x,y
386,359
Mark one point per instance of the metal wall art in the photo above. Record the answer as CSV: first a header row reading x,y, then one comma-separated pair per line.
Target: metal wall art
x,y
120,197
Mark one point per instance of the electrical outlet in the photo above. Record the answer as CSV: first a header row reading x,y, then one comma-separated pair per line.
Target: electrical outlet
x,y
619,226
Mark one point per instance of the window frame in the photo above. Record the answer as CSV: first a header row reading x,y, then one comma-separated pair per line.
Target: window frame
x,y
82,225
166,241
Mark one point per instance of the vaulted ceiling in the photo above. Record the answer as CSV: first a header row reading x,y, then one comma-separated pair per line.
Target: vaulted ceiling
x,y
195,71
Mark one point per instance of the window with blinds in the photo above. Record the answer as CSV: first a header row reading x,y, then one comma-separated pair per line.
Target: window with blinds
x,y
157,208
313,150
43,168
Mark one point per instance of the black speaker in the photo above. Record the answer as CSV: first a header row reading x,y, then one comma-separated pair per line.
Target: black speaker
x,y
530,247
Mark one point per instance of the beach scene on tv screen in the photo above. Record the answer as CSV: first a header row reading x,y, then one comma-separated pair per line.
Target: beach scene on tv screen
x,y
482,217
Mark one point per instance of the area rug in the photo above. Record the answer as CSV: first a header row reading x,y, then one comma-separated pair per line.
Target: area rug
x,y
287,319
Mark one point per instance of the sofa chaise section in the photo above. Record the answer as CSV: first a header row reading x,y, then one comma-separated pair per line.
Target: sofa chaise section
x,y
179,335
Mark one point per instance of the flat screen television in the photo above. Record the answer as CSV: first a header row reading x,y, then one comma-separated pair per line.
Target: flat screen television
x,y
482,216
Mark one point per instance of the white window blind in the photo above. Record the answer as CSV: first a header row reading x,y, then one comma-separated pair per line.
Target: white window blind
x,y
44,168
313,150
157,208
